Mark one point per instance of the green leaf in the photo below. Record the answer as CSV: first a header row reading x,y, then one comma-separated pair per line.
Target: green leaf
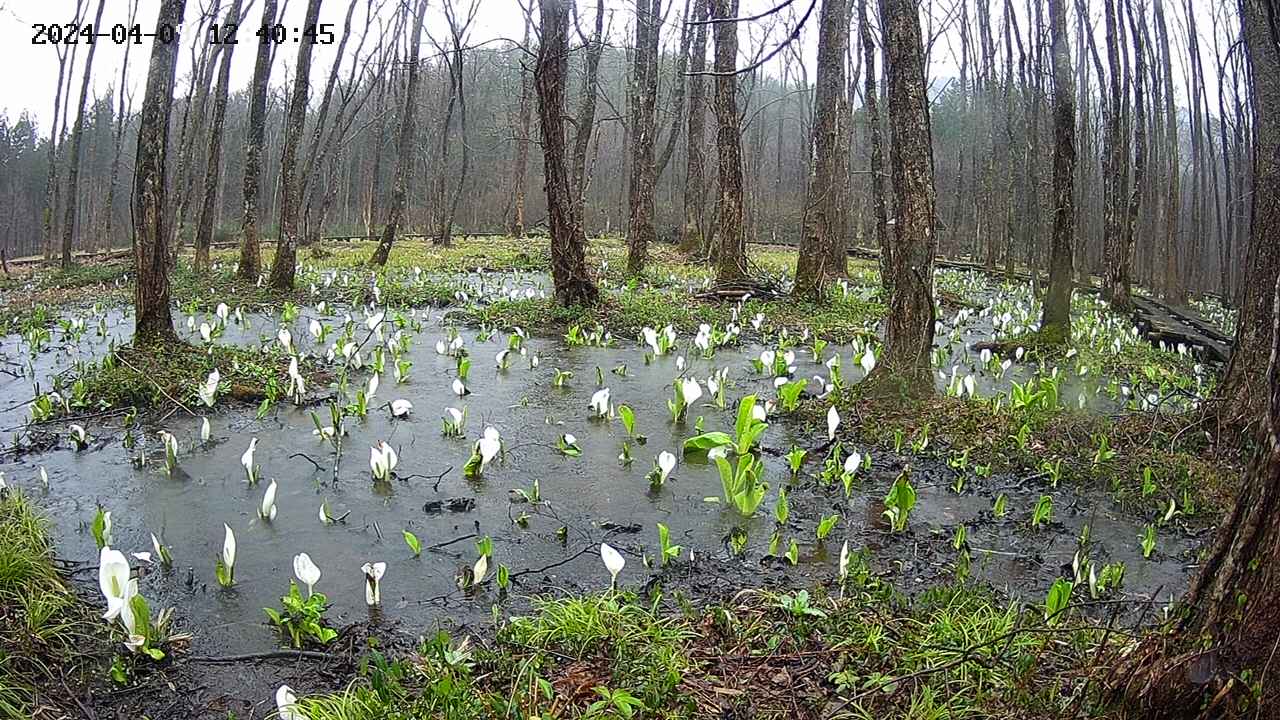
x,y
707,441
414,544
628,417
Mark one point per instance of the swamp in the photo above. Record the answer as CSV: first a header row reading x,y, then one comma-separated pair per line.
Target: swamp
x,y
856,412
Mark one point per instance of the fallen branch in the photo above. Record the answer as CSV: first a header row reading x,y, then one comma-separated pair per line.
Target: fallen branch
x,y
254,657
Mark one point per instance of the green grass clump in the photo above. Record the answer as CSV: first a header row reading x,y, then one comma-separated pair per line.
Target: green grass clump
x,y
145,377
40,624
956,651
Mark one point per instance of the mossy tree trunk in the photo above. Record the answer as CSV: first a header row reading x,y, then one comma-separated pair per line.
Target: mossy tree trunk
x,y
573,282
821,232
250,242
154,319
909,323
1055,323
285,267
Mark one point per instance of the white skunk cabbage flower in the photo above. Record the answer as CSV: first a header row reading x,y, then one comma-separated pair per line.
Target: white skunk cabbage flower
x,y
833,422
373,573
209,391
246,461
229,551
666,463
868,361
401,408
267,511
382,460
852,463
287,705
489,446
613,562
306,571
479,570
600,403
690,390
116,586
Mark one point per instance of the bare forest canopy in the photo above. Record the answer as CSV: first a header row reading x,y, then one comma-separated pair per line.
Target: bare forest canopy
x,y
1162,114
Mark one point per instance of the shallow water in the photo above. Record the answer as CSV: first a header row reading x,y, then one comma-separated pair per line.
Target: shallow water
x,y
593,496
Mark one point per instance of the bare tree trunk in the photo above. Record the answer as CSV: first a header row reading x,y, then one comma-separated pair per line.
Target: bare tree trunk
x,y
731,259
573,282
153,318
525,127
204,228
404,160
285,266
122,120
878,203
1172,235
909,323
250,244
73,163
453,59
1116,285
644,126
678,90
1230,627
55,140
584,124
1055,324
821,226
319,151
1246,371
693,238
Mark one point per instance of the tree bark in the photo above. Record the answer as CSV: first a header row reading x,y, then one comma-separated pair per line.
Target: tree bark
x,y
640,231
250,244
731,258
520,172
1055,323
585,122
821,229
909,323
404,159
73,163
204,228
573,282
153,318
122,120
1246,372
1172,231
285,266
879,207
1217,662
693,236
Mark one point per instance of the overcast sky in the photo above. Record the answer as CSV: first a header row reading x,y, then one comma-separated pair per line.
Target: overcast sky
x,y
33,69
